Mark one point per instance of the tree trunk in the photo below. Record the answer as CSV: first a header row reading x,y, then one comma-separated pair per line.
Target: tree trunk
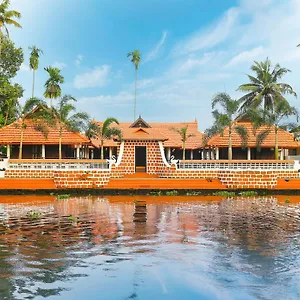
x,y
33,81
102,149
183,151
21,141
6,116
276,143
59,144
230,145
136,78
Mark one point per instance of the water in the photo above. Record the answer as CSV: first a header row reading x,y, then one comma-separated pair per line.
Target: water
x,y
154,248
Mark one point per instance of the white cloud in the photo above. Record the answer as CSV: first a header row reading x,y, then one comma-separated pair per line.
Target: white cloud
x,y
246,56
24,68
98,77
59,65
152,54
79,60
210,37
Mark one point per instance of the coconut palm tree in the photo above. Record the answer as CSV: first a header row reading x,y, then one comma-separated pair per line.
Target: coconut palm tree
x,y
226,119
63,118
104,132
135,59
34,63
52,85
264,89
7,18
270,120
29,111
183,132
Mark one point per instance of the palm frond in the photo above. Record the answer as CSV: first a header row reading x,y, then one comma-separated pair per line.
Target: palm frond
x,y
261,137
243,133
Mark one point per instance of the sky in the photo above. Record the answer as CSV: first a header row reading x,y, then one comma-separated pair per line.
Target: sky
x,y
191,50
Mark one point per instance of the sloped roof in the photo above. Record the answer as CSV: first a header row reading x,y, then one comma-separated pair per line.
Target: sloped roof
x,y
11,134
285,139
158,131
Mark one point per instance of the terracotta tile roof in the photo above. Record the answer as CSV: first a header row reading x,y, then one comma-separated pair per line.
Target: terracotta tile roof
x,y
159,131
285,139
10,134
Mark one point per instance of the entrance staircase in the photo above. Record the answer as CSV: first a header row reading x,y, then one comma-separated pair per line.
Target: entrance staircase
x,y
141,180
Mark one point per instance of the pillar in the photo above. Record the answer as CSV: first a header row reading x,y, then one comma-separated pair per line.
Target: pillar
x,y
43,151
110,152
281,154
92,154
77,152
192,155
8,151
212,154
248,153
217,153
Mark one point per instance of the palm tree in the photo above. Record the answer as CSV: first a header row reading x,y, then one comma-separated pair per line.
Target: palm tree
x,y
135,59
34,63
271,119
7,18
63,118
264,88
104,132
226,119
183,132
52,85
29,111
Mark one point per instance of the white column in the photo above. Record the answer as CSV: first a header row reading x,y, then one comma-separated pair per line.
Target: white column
x,y
92,154
77,152
168,154
212,154
281,154
8,151
203,154
110,152
217,153
248,153
43,151
192,155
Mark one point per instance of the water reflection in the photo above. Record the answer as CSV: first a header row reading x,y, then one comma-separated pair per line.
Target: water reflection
x,y
149,248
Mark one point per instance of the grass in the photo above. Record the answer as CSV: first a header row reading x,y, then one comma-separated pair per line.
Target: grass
x,y
248,193
63,196
287,200
224,194
33,214
172,193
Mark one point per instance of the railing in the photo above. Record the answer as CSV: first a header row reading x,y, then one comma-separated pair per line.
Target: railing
x,y
237,164
56,164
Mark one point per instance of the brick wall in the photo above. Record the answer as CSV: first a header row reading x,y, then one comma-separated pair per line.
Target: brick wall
x,y
29,173
236,179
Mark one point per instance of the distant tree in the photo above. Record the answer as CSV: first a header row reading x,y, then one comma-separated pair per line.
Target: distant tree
x,y
64,116
52,85
184,135
264,89
104,132
135,59
226,119
34,63
29,111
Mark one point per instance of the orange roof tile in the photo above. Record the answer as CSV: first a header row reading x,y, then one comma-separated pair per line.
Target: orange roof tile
x,y
158,131
285,139
10,134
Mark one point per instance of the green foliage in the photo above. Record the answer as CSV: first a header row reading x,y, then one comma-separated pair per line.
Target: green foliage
x,y
224,194
71,218
264,89
33,214
52,85
135,58
11,58
248,193
63,196
7,17
34,57
104,132
172,193
287,200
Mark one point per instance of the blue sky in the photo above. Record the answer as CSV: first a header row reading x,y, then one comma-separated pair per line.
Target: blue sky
x,y
191,49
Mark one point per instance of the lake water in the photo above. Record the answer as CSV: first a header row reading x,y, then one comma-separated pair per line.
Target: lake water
x,y
149,247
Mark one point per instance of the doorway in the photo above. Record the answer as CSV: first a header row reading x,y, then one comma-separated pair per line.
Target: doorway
x,y
140,159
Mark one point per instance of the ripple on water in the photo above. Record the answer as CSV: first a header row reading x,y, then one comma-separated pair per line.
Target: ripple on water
x,y
172,249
